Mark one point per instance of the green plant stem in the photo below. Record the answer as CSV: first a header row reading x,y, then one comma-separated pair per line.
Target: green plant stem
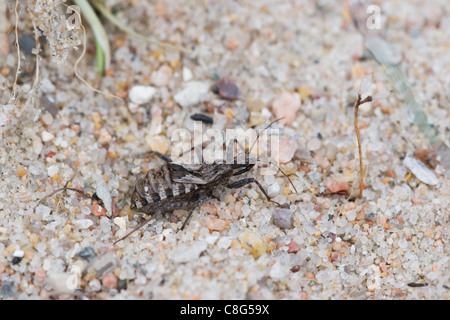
x,y
100,35
130,31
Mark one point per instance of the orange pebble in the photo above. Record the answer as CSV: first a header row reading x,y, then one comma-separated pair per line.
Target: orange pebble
x,y
98,210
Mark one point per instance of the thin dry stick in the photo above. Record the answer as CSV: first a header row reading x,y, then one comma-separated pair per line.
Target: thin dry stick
x,y
81,57
361,172
18,49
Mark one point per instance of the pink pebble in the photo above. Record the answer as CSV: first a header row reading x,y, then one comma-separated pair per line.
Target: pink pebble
x,y
286,106
293,247
109,281
336,186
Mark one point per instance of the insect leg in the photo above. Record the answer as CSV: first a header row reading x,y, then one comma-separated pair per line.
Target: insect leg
x,y
134,230
159,155
243,182
246,169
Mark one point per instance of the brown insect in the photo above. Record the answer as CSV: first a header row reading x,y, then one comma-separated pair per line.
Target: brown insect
x,y
174,186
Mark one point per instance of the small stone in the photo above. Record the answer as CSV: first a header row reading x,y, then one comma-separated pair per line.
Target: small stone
x,y
293,247
279,271
40,275
46,86
52,170
7,288
103,193
287,148
187,74
21,171
253,243
87,253
47,136
193,93
313,144
283,218
157,143
4,44
228,90
274,189
185,252
216,224
98,210
335,186
161,77
104,136
47,118
420,171
110,281
286,106
141,94
82,223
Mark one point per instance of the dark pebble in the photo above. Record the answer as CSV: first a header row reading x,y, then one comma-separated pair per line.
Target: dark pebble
x,y
87,253
16,260
228,89
202,117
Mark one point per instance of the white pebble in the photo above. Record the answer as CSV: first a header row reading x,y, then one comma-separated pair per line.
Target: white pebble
x,y
82,223
193,93
18,253
224,243
187,74
273,189
104,194
141,94
278,271
47,136
52,170
420,171
185,253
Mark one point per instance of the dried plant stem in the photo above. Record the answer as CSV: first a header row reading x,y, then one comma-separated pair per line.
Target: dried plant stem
x,y
361,171
18,49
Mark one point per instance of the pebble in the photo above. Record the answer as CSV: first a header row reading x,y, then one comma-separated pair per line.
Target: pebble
x,y
103,193
162,76
293,247
253,243
286,106
335,186
47,136
82,223
216,224
283,218
279,271
287,148
314,144
228,90
420,171
187,74
186,253
194,92
274,189
141,94
110,281
46,86
157,143
98,210
47,118
87,253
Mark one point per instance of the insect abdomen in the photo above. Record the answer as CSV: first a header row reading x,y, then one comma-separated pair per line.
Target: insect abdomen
x,y
156,188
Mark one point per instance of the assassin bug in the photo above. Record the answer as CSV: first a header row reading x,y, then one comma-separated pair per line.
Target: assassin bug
x,y
174,186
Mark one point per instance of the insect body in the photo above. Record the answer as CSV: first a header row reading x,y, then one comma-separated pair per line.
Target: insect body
x,y
174,186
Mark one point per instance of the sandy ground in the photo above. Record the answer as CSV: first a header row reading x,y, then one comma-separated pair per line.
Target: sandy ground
x,y
304,60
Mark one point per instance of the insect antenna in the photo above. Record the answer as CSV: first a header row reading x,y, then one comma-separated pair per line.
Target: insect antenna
x,y
133,231
279,169
65,188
